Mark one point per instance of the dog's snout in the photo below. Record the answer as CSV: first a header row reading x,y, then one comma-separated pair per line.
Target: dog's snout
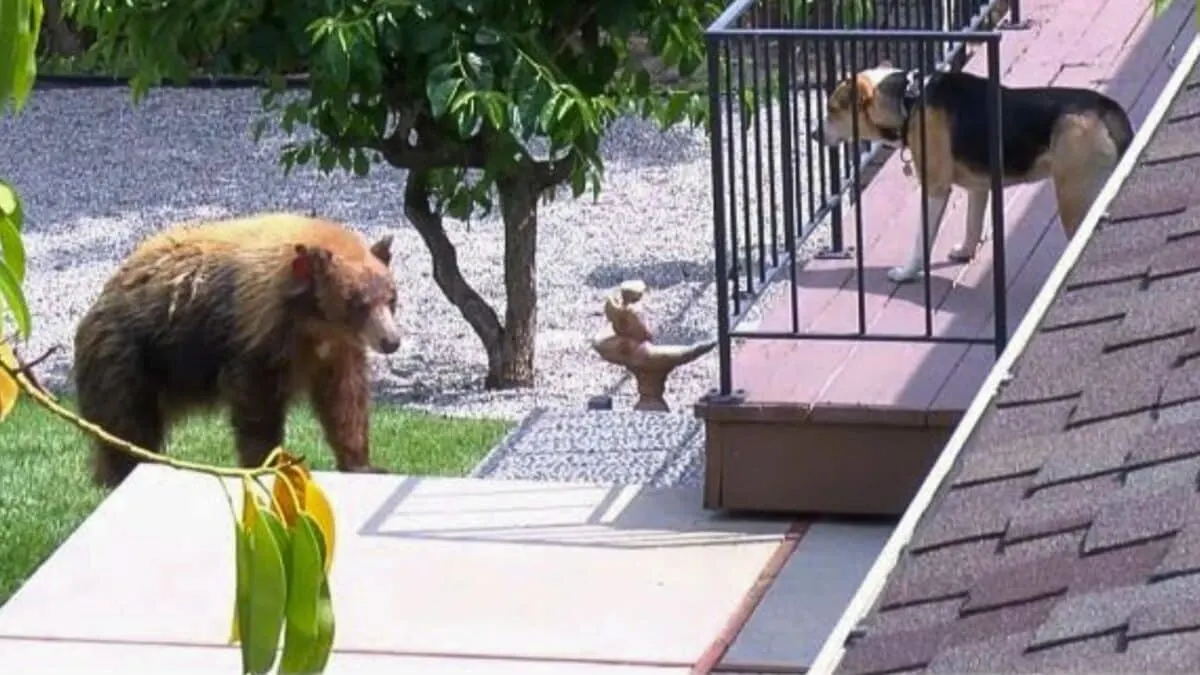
x,y
815,135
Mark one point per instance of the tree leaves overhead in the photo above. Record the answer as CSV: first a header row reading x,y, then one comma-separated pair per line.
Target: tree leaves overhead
x,y
442,85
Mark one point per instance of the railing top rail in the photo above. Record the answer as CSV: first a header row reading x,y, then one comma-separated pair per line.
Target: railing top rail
x,y
873,35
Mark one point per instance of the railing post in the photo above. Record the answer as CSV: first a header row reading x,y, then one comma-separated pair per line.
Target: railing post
x,y
718,195
996,159
833,156
791,233
1015,22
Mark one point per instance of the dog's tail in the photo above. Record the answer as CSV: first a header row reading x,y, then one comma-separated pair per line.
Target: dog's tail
x,y
1120,129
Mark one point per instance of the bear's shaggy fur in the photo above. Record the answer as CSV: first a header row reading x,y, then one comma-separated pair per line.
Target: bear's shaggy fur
x,y
247,312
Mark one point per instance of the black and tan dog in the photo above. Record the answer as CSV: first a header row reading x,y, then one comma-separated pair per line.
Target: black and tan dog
x,y
1073,136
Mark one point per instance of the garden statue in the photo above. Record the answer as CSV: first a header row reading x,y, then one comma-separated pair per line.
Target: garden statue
x,y
627,341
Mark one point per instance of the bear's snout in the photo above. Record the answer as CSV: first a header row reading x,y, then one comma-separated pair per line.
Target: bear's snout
x,y
381,332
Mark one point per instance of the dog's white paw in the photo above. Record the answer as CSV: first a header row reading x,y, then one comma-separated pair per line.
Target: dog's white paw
x,y
902,274
961,253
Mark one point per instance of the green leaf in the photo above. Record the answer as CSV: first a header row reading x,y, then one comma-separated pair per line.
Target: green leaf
x,y
328,160
300,641
362,165
241,615
10,25
12,248
676,107
260,125
14,297
25,64
10,204
466,117
429,37
323,644
487,36
495,107
268,592
479,71
441,87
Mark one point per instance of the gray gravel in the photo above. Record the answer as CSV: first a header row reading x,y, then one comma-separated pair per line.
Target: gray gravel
x,y
97,174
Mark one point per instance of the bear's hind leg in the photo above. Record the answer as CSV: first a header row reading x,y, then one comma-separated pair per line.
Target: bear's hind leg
x,y
126,407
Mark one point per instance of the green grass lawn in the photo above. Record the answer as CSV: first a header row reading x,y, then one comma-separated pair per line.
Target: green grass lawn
x,y
46,491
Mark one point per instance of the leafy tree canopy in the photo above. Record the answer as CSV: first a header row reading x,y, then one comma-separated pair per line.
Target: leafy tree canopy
x,y
432,85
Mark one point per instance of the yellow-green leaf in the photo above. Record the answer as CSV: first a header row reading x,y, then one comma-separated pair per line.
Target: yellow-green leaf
x,y
304,593
14,297
11,246
25,70
10,204
308,571
244,563
10,24
241,608
317,505
284,539
9,391
323,644
268,595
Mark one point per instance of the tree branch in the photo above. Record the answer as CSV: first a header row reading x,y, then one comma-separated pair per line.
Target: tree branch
x,y
551,173
446,272
21,374
565,38
435,147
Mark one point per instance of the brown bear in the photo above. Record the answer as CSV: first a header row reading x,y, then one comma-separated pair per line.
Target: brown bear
x,y
247,312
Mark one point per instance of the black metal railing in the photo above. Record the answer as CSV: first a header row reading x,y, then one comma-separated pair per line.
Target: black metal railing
x,y
771,66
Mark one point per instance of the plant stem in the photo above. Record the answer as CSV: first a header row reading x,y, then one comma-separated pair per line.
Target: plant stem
x,y
46,401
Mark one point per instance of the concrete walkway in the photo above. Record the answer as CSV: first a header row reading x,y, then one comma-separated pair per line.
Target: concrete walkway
x,y
448,576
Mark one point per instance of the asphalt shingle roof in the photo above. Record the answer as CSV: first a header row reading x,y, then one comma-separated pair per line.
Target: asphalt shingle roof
x,y
1067,537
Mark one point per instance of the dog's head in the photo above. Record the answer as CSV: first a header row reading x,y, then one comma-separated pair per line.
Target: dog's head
x,y
875,97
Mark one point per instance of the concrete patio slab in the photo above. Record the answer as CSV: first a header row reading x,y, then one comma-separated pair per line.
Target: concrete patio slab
x,y
425,567
811,591
47,657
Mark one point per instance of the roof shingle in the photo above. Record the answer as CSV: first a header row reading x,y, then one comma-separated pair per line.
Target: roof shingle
x,y
1067,537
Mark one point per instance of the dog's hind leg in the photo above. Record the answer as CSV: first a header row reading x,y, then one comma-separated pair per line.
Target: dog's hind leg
x,y
935,202
1075,192
976,205
1085,155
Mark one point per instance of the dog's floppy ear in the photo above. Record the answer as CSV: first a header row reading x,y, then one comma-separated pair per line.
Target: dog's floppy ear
x,y
866,91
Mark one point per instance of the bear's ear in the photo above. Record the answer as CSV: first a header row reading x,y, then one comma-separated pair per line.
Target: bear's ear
x,y
382,249
306,263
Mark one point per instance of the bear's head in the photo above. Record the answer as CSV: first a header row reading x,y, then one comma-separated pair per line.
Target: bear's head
x,y
349,294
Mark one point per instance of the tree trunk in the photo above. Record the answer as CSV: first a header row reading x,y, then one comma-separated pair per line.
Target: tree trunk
x,y
518,208
448,276
60,39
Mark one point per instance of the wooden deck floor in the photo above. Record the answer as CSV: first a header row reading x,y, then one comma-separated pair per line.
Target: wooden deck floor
x,y
1113,45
